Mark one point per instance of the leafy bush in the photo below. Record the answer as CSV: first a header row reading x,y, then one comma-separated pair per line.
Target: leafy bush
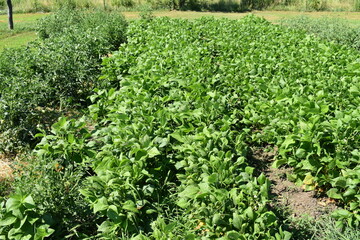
x,y
53,73
19,219
329,29
109,25
54,182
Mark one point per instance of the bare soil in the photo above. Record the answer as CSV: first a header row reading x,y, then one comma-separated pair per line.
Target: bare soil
x,y
5,170
286,194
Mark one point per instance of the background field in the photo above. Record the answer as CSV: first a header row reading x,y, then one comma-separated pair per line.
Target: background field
x,y
25,23
212,5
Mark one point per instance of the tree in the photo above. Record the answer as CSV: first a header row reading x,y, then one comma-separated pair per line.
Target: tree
x,y
10,14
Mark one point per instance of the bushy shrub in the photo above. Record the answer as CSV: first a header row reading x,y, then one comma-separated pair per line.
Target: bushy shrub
x,y
57,71
109,25
54,182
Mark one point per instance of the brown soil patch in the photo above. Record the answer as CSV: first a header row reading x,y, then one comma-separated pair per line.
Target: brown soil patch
x,y
286,194
299,202
5,170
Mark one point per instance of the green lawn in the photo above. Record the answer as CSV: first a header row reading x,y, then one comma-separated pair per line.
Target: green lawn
x,y
17,40
25,23
24,30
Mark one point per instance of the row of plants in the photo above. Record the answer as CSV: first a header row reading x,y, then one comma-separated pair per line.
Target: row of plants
x,y
54,74
288,89
164,150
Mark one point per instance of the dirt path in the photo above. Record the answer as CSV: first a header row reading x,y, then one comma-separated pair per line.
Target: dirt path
x,y
285,194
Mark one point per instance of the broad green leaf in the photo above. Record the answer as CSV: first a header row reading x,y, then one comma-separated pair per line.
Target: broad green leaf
x,y
237,221
169,227
183,203
178,137
213,178
190,191
12,204
354,205
339,182
279,163
216,219
8,221
130,206
190,236
354,90
287,235
71,138
249,212
333,193
287,142
42,232
341,213
112,214
233,235
101,204
300,153
29,202
153,152
261,179
249,170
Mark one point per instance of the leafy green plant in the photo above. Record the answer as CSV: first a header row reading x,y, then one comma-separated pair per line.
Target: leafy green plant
x,y
54,176
21,220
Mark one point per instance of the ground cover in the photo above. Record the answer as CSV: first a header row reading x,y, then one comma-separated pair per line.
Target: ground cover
x,y
24,30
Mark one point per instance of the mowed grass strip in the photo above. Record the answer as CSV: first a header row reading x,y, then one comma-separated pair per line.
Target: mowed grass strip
x,y
17,40
21,22
24,30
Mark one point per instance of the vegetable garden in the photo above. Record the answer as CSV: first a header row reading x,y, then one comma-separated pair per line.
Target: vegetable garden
x,y
164,149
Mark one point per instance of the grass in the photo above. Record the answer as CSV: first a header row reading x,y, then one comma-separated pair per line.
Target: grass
x,y
17,40
25,23
24,31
